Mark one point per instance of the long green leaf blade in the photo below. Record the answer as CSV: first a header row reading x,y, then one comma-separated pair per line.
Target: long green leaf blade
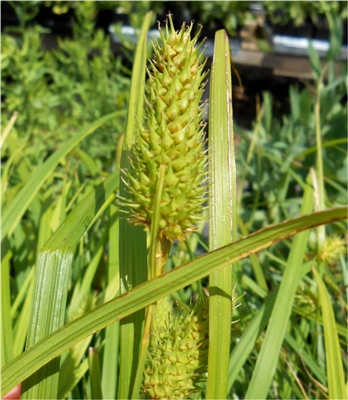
x,y
332,347
246,344
6,321
14,211
223,212
94,374
111,347
52,281
145,294
267,360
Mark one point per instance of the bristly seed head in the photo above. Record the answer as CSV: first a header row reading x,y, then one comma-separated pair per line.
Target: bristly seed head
x,y
172,135
177,358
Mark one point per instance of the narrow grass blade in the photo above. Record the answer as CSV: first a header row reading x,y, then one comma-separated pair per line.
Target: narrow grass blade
x,y
72,369
14,211
341,329
87,160
143,295
257,269
154,270
6,320
43,235
246,344
268,358
51,284
334,364
307,358
23,321
112,332
94,373
223,211
132,240
7,169
69,384
8,128
23,292
82,291
23,168
320,195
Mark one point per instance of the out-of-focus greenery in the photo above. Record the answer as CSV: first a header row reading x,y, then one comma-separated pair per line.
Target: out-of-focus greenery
x,y
55,92
281,12
211,14
284,150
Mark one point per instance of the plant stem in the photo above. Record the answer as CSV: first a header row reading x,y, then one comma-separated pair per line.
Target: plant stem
x,y
162,253
320,171
159,251
157,260
143,351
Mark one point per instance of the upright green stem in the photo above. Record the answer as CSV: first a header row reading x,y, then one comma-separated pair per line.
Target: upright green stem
x,y
132,240
159,247
143,351
320,205
162,253
320,171
159,251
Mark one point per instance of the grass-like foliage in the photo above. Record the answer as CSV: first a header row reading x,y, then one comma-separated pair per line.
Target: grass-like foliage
x,y
101,303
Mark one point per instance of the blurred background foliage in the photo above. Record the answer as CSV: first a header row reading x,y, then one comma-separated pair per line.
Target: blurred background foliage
x,y
57,85
213,15
59,90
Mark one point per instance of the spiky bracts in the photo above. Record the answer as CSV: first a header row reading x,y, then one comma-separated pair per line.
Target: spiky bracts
x,y
172,136
177,358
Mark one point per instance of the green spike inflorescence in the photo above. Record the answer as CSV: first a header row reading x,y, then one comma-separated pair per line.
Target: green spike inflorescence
x,y
172,135
177,358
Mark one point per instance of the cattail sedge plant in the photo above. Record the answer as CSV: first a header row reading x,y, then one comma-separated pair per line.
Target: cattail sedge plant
x,y
166,183
172,137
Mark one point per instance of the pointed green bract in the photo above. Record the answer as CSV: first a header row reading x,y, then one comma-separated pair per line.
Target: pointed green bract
x,y
173,136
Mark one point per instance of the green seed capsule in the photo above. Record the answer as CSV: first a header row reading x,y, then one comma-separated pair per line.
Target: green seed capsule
x,y
173,136
177,359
